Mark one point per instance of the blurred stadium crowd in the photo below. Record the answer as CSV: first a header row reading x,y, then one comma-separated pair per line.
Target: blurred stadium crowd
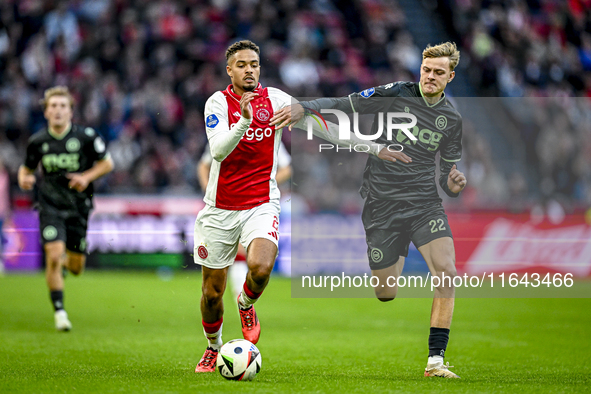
x,y
141,72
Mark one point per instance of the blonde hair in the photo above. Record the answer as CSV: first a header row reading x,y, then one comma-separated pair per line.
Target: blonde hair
x,y
447,49
56,91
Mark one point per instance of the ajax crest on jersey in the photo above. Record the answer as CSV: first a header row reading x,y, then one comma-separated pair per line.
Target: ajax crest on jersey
x,y
239,359
263,115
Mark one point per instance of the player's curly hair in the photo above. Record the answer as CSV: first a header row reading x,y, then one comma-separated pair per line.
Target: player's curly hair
x,y
447,49
56,91
239,46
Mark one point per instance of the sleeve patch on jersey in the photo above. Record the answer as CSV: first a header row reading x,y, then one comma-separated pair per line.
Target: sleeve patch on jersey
x,y
212,121
99,145
368,92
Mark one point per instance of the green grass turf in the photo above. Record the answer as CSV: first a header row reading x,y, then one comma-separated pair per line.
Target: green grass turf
x,y
134,332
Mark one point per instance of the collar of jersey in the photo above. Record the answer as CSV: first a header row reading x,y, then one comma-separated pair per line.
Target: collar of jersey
x,y
424,99
237,97
59,136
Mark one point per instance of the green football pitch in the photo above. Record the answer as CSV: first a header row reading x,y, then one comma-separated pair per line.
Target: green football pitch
x,y
135,332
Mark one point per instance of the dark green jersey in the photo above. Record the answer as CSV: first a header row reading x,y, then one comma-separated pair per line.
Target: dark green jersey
x,y
73,151
438,129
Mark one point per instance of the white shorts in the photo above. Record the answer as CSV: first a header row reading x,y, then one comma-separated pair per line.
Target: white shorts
x,y
218,231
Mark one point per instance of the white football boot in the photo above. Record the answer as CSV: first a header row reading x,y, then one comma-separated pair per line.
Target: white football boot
x,y
440,369
61,321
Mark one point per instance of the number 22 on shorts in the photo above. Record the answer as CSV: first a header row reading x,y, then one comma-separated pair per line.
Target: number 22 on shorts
x,y
434,227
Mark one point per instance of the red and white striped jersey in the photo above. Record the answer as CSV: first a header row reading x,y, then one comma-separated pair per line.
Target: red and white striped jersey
x,y
245,151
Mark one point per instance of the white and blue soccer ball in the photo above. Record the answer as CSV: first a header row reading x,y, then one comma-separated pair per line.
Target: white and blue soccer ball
x,y
239,359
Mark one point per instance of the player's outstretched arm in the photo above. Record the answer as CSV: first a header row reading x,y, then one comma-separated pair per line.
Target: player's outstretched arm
x,y
287,116
291,114
332,135
80,181
26,178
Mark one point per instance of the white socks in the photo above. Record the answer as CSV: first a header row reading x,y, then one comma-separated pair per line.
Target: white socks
x,y
435,360
244,302
214,339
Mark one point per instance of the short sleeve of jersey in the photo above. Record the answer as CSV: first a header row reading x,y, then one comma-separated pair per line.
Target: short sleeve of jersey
x,y
216,115
97,149
33,154
452,150
372,100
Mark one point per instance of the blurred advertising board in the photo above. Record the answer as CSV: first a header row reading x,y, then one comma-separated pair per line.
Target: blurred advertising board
x,y
504,242
21,249
152,231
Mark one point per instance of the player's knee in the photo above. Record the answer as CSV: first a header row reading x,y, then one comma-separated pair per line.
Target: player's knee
x,y
260,272
386,299
213,293
212,296
386,295
76,269
53,260
447,268
451,271
76,263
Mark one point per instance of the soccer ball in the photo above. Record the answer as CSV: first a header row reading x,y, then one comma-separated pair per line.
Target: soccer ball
x,y
239,359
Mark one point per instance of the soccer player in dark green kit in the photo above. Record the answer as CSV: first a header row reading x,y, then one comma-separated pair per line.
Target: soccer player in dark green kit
x,y
72,157
401,199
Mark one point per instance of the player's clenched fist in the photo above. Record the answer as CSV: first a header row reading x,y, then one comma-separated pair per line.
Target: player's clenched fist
x,y
456,181
245,105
